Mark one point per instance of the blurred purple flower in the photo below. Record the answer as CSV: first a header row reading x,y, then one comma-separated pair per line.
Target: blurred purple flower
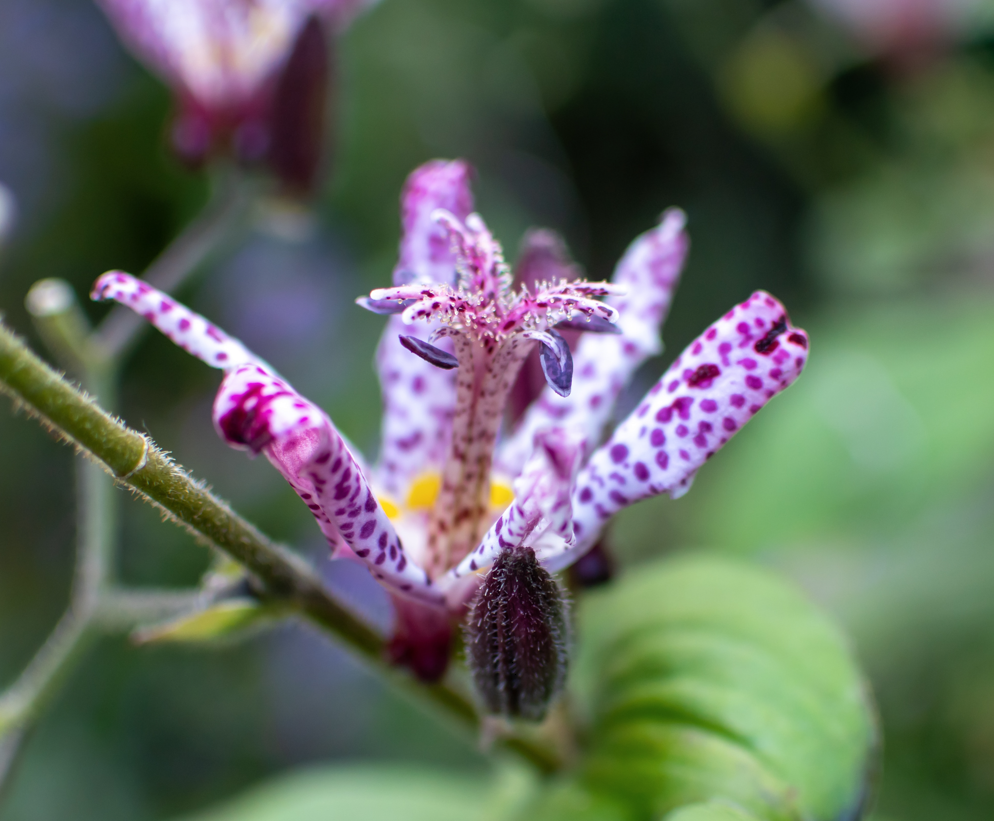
x,y
904,31
446,498
250,76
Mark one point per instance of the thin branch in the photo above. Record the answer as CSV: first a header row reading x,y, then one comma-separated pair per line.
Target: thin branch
x,y
226,210
124,609
62,324
135,461
40,680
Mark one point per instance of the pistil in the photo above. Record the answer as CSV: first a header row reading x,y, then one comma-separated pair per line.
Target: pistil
x,y
461,516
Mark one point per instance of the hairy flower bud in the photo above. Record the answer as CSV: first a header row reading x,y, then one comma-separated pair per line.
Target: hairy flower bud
x,y
517,637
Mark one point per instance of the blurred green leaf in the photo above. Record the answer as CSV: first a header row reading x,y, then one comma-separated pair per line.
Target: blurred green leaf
x,y
711,811
221,620
371,793
569,800
709,679
888,420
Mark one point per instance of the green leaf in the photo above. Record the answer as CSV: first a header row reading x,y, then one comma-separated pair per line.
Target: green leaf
x,y
364,793
220,620
705,679
568,800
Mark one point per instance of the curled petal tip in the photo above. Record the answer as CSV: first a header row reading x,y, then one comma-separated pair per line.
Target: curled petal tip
x,y
99,292
673,221
383,307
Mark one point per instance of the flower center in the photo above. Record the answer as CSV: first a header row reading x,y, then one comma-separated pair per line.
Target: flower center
x,y
492,328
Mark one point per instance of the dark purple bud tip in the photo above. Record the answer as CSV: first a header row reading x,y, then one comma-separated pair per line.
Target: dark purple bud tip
x,y
595,325
517,637
557,365
429,353
384,307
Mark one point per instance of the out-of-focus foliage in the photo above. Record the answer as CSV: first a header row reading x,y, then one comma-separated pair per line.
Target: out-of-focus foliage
x,y
851,176
700,680
370,793
711,680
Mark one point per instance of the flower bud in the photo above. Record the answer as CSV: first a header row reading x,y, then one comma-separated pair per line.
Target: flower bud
x,y
518,633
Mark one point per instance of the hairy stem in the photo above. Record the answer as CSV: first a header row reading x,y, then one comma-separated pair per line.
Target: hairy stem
x,y
135,461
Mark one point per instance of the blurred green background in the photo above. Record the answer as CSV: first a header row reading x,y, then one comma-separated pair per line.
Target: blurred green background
x,y
839,154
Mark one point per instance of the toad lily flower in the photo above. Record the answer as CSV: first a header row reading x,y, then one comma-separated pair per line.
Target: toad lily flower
x,y
249,75
447,499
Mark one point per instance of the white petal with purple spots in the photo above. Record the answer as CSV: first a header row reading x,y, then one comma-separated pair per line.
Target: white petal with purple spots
x,y
712,389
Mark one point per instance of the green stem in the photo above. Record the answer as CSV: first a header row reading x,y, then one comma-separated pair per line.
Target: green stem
x,y
230,201
124,609
63,326
135,461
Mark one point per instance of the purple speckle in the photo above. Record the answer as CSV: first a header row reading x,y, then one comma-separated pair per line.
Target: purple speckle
x,y
657,438
618,453
704,376
709,406
641,471
754,382
729,424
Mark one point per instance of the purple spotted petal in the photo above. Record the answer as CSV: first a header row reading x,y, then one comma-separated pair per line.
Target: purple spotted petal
x,y
604,364
190,331
255,410
712,389
540,516
419,398
425,249
543,257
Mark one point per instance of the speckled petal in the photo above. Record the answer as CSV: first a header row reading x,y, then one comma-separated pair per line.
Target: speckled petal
x,y
541,514
418,398
190,331
712,389
604,364
257,411
425,248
